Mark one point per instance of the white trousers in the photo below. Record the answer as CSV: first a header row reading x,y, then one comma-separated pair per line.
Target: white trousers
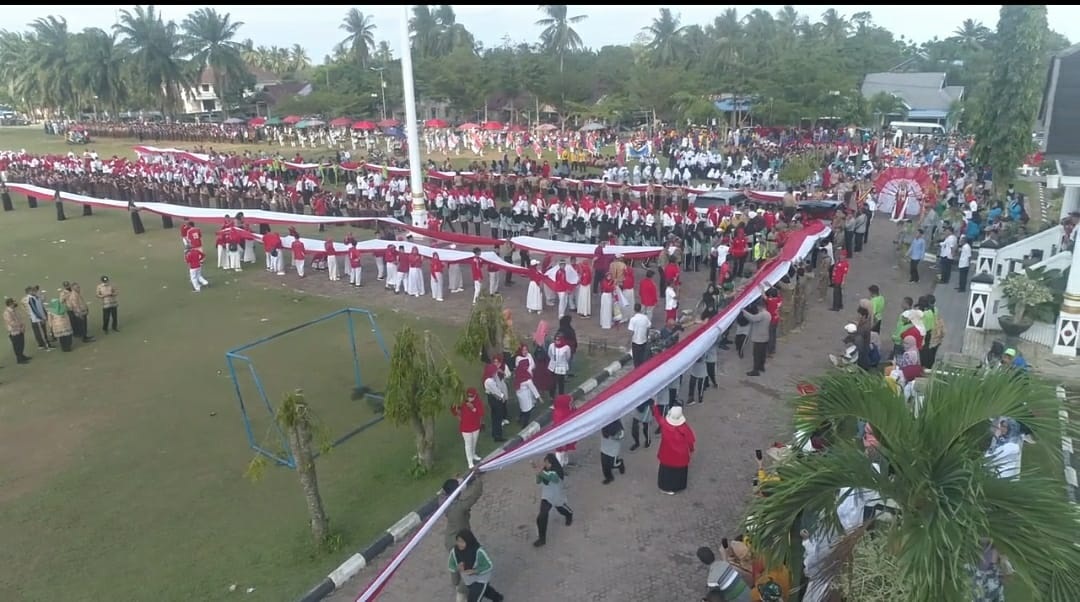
x,y
380,267
197,280
354,275
436,286
332,267
222,258
564,301
269,262
470,447
476,285
276,265
234,260
493,283
299,265
391,276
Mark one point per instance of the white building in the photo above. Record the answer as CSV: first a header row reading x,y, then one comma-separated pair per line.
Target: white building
x,y
203,98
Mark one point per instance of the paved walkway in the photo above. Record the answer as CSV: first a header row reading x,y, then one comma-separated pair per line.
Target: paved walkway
x,y
629,542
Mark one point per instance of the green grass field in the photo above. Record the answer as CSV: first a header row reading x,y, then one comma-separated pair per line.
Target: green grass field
x,y
125,458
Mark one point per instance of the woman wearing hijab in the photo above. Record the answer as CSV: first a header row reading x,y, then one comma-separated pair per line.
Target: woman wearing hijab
x,y
470,415
495,388
550,477
676,446
709,305
1005,451
436,270
525,391
60,324
415,285
560,412
559,355
611,437
584,289
471,561
534,298
607,301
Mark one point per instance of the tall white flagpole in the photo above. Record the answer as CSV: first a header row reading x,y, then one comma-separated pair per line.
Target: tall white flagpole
x,y
412,133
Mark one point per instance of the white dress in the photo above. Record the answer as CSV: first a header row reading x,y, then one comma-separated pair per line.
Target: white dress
x,y
627,301
607,301
534,298
584,301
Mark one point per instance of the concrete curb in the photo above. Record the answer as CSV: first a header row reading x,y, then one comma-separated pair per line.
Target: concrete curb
x,y
401,529
1067,446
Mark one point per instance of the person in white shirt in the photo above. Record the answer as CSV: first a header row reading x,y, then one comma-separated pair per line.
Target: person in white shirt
x,y
639,326
963,264
1005,451
526,392
671,303
946,249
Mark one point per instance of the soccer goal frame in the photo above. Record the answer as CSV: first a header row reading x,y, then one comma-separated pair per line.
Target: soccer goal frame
x,y
237,360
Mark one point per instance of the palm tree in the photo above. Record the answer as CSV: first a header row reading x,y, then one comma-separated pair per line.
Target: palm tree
x,y
424,28
361,39
16,62
726,33
155,48
971,36
666,44
99,72
52,61
883,105
452,35
559,35
834,27
298,58
208,38
931,467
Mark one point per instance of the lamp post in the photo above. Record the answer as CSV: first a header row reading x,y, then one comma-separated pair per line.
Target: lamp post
x,y
382,87
412,133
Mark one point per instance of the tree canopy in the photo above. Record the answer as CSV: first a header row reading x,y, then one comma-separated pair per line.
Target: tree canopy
x,y
794,67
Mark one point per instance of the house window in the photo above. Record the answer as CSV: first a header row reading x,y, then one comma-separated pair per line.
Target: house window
x,y
206,87
434,113
209,106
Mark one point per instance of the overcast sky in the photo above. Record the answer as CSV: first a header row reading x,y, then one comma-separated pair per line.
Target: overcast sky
x,y
316,26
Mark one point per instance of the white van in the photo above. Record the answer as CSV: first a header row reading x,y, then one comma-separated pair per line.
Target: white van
x,y
908,128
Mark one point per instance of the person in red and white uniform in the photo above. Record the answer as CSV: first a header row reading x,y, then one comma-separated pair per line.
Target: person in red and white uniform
x,y
476,265
222,252
299,256
184,227
235,239
194,258
355,271
331,259
390,259
436,271
273,248
192,236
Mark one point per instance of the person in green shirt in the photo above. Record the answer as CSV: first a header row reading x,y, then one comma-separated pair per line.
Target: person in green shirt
x,y
471,561
877,307
901,326
929,322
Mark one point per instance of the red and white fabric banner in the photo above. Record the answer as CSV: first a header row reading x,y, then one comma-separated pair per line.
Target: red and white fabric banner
x,y
576,249
626,393
255,216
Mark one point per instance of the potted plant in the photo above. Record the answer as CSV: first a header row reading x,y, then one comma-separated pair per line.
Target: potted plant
x,y
1022,291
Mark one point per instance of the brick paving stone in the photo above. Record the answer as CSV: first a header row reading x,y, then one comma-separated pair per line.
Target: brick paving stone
x,y
629,542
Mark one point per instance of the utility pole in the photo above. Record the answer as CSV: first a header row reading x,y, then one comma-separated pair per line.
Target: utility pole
x,y
412,133
382,88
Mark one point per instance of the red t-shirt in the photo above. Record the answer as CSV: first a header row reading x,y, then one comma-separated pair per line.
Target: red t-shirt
x,y
194,238
772,305
297,250
194,258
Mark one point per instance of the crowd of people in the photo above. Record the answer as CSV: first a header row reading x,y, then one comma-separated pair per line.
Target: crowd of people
x,y
723,244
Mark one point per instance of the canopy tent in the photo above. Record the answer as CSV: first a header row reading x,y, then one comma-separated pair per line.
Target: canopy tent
x,y
575,249
207,215
625,394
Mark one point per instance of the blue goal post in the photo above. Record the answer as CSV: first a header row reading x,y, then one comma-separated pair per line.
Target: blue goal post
x,y
237,359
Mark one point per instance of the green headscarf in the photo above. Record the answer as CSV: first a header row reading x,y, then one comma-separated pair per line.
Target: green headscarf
x,y
57,308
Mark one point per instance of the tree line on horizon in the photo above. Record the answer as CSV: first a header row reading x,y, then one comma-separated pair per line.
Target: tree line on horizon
x,y
793,67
